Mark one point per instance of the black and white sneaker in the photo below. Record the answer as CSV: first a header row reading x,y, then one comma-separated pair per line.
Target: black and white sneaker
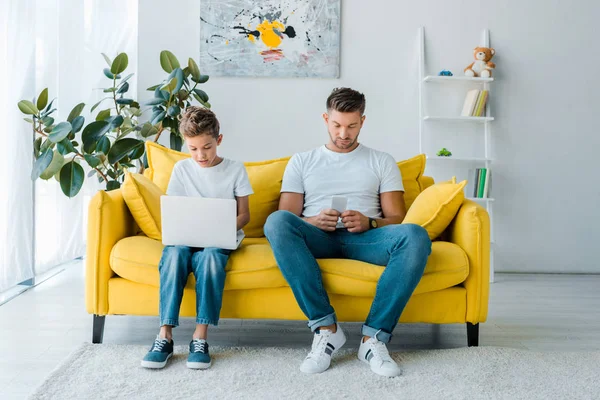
x,y
375,353
325,344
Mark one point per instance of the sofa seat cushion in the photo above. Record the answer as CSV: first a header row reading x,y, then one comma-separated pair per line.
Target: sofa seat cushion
x,y
253,266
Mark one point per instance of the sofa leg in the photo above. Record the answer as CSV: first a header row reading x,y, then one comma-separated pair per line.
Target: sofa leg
x,y
472,334
98,329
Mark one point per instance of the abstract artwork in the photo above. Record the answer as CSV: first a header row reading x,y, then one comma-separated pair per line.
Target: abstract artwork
x,y
293,38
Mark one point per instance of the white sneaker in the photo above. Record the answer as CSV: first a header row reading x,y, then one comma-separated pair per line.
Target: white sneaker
x,y
325,344
375,353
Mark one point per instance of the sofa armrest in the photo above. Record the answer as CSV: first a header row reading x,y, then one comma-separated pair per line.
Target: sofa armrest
x,y
109,221
471,231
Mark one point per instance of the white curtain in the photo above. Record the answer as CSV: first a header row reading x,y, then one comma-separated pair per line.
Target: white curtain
x,y
54,44
74,67
17,55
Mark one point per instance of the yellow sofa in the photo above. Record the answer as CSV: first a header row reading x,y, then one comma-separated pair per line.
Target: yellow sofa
x,y
122,263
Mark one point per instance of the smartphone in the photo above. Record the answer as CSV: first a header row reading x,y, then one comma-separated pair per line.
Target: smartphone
x,y
339,203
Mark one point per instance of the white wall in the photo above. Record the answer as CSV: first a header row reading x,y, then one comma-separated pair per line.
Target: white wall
x,y
545,177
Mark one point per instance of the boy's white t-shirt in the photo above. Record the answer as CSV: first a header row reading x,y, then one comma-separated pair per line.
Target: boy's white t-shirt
x,y
360,175
227,180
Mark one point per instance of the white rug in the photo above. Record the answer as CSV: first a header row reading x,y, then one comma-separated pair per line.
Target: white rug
x,y
113,371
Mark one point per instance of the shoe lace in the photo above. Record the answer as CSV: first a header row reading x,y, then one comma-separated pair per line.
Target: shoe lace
x,y
199,346
159,344
380,350
319,344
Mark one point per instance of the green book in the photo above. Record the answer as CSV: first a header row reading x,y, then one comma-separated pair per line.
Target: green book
x,y
481,183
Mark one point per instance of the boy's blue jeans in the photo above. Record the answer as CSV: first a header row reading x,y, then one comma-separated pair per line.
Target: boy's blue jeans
x,y
403,249
208,267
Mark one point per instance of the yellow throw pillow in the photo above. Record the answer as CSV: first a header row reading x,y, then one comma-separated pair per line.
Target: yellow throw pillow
x,y
161,162
142,197
265,178
436,207
412,171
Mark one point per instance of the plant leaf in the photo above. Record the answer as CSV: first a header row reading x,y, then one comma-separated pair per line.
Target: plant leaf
x,y
60,131
92,134
124,101
55,165
123,88
154,87
37,143
121,148
158,117
168,61
65,147
112,185
103,145
42,100
108,74
173,111
137,153
179,76
107,59
27,107
176,141
71,178
155,102
148,130
91,160
77,123
42,163
194,70
115,122
119,64
98,103
102,115
48,121
126,79
75,112
202,94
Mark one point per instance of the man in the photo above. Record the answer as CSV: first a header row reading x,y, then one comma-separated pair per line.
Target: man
x,y
306,228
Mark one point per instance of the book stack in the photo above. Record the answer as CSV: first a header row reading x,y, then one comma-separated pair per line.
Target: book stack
x,y
481,186
475,102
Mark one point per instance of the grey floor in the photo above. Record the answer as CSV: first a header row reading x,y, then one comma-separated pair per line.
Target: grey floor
x,y
539,312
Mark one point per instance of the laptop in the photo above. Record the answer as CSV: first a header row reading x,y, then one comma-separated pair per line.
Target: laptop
x,y
199,222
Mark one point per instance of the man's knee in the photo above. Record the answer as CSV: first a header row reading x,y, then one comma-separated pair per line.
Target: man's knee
x,y
278,220
414,236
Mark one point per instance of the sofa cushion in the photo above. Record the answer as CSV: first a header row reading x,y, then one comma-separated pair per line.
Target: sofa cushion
x,y
253,266
143,200
436,207
265,178
412,173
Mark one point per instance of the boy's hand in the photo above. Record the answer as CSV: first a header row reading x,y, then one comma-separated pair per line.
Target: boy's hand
x,y
326,220
354,221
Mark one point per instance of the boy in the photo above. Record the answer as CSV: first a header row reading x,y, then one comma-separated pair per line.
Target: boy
x,y
205,174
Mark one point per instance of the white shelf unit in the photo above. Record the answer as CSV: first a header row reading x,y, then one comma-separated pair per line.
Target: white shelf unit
x,y
425,119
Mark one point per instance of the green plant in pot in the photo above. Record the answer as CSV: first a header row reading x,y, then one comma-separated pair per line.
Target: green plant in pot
x,y
113,142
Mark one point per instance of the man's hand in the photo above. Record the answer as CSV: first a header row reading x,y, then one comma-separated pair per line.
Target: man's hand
x,y
354,221
326,220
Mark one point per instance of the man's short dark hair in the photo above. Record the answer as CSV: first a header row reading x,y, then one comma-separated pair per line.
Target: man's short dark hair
x,y
198,121
346,100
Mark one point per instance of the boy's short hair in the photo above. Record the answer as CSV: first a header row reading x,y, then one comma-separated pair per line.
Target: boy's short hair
x,y
346,100
198,121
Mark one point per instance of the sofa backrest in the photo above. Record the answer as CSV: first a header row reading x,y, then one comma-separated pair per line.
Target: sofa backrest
x,y
266,177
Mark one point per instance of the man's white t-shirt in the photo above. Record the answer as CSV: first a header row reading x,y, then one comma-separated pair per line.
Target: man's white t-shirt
x,y
360,175
227,180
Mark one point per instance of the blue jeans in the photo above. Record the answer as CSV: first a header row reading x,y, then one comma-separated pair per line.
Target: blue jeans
x,y
403,249
208,267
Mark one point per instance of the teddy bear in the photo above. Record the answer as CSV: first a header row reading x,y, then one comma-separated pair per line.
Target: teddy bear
x,y
482,66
